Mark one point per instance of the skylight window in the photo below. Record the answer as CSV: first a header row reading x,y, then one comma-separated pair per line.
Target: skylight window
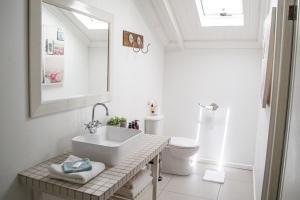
x,y
91,23
220,12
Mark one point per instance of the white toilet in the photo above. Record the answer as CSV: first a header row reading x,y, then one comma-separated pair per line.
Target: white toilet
x,y
176,157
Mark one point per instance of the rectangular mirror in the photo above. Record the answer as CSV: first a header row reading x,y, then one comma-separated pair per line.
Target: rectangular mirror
x,y
69,55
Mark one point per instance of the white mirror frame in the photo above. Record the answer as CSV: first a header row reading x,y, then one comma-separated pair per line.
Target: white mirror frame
x,y
37,107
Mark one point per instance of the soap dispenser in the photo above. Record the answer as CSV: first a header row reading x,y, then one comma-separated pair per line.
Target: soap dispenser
x,y
136,125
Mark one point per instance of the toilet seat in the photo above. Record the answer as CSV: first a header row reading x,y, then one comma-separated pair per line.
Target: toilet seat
x,y
182,143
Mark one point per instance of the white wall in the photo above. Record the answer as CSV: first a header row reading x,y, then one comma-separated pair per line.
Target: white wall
x,y
228,77
261,149
24,141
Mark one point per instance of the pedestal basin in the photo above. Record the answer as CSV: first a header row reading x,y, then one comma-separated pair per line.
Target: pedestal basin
x,y
109,145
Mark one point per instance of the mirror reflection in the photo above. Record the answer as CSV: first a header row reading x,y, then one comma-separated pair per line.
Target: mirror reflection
x,y
74,54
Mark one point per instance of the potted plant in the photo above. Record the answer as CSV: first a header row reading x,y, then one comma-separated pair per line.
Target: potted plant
x,y
123,122
113,121
117,121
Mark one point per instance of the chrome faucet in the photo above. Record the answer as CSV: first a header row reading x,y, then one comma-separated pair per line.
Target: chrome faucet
x,y
95,124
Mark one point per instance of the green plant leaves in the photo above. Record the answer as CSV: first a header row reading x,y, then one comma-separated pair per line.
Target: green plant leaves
x,y
116,121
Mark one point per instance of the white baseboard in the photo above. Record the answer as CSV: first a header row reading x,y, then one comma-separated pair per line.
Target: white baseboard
x,y
226,164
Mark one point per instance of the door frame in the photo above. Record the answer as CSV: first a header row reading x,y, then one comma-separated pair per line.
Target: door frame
x,y
279,100
290,102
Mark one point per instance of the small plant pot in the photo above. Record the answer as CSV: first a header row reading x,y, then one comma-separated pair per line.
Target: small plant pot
x,y
123,124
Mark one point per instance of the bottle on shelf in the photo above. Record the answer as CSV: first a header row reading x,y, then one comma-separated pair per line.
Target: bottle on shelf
x,y
133,125
136,124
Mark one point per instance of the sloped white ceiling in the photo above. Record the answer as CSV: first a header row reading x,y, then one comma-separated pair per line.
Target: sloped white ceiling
x,y
181,27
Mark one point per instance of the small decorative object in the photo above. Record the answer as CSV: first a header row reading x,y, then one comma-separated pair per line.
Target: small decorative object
x,y
53,70
117,121
49,47
60,34
58,49
130,39
153,107
135,41
53,56
55,77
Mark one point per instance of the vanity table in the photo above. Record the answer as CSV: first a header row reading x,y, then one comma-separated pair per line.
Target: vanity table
x,y
103,186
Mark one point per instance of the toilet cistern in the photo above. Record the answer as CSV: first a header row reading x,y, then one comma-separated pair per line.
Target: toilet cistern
x,y
94,124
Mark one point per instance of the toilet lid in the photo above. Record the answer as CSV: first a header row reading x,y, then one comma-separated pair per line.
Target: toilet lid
x,y
181,142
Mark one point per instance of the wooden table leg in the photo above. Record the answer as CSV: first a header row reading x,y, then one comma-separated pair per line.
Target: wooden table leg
x,y
155,174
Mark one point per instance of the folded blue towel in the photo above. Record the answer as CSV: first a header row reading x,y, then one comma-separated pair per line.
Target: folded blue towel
x,y
77,166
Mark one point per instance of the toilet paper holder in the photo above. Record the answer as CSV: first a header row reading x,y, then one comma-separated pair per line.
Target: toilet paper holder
x,y
212,106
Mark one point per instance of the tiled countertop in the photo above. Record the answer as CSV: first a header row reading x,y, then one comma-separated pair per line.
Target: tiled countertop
x,y
102,186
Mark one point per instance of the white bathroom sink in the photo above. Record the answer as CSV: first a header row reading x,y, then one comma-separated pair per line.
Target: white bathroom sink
x,y
109,145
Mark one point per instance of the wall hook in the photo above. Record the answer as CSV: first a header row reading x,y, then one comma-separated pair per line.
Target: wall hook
x,y
136,50
135,41
145,52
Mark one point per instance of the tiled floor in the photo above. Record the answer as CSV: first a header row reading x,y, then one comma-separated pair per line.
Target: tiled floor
x,y
238,186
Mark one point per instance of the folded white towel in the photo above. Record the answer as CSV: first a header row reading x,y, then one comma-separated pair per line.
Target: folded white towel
x,y
141,176
56,171
138,184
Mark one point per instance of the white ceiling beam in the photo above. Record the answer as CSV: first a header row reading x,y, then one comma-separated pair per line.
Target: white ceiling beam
x,y
174,23
233,44
149,15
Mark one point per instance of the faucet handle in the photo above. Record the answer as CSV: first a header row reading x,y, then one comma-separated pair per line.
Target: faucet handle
x,y
88,125
97,123
92,126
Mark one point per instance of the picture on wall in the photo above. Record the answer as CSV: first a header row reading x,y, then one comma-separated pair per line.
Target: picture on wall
x,y
49,47
60,34
54,71
58,49
53,56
